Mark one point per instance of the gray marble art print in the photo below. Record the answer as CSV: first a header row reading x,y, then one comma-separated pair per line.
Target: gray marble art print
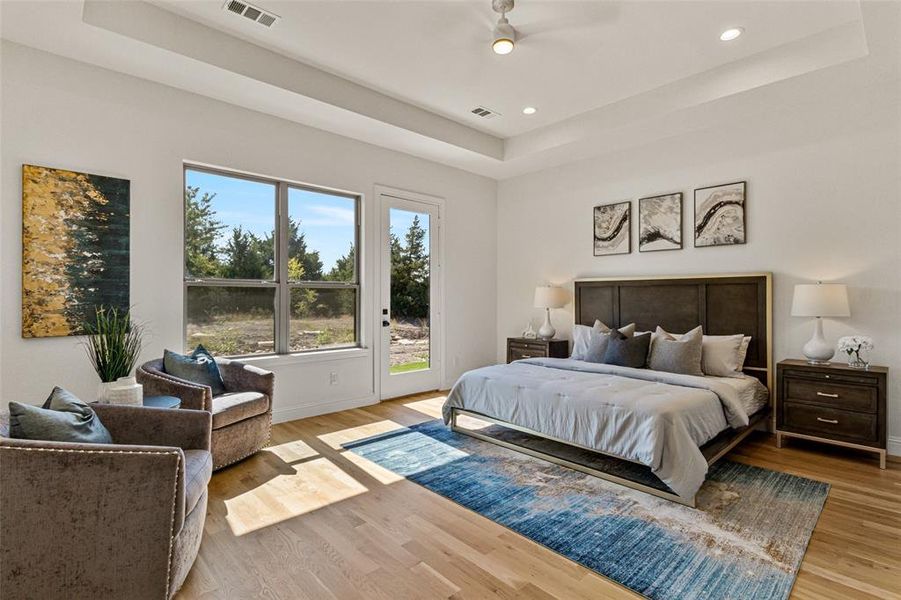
x,y
660,223
612,229
720,215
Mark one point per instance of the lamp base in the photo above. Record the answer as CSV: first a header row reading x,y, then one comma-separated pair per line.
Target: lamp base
x,y
817,350
547,331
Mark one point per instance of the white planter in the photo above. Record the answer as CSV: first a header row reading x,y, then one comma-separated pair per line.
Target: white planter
x,y
124,390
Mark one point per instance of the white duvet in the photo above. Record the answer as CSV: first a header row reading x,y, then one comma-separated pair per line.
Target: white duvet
x,y
653,418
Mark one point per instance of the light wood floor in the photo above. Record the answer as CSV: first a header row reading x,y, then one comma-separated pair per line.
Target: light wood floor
x,y
305,519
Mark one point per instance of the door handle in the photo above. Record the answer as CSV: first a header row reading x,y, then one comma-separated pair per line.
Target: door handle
x,y
822,420
825,395
386,323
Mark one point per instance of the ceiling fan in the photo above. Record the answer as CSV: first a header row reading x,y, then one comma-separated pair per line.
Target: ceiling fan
x,y
504,33
566,21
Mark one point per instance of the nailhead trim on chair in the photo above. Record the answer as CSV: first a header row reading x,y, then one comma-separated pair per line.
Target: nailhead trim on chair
x,y
174,490
162,377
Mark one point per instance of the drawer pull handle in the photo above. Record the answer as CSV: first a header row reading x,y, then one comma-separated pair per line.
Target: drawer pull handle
x,y
825,395
822,420
521,356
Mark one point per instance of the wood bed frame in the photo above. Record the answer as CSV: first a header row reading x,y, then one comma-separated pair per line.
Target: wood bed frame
x,y
721,304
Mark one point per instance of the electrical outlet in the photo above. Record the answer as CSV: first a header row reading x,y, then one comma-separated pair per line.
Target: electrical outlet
x,y
333,378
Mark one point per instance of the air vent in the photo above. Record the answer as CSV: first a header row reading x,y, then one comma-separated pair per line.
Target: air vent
x,y
254,13
485,113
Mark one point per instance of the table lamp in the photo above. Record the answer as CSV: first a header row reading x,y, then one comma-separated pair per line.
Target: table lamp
x,y
820,300
548,297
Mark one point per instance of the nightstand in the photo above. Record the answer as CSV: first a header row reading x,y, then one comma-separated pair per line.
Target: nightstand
x,y
518,348
832,403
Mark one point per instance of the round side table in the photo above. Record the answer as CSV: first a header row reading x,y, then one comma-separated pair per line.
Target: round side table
x,y
162,401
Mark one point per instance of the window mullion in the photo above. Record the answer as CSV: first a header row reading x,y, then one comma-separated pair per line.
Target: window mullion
x,y
283,302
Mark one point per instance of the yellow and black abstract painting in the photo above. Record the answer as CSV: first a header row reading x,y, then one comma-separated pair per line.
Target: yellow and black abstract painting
x,y
75,249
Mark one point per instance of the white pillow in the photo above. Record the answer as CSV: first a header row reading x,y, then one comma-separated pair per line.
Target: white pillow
x,y
590,343
723,355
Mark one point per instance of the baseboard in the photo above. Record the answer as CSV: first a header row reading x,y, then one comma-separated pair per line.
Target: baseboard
x,y
894,447
311,410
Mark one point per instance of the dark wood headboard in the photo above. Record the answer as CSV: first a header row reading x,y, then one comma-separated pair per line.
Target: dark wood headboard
x,y
721,304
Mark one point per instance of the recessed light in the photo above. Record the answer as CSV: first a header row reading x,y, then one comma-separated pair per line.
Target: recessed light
x,y
529,110
731,34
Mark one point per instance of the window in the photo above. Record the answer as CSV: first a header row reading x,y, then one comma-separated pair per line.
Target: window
x,y
270,266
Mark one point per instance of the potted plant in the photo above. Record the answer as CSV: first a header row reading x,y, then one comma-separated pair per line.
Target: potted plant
x,y
113,345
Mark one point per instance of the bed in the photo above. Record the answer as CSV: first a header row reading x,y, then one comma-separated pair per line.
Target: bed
x,y
653,431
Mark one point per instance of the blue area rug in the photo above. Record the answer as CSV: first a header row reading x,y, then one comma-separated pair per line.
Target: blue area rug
x,y
745,540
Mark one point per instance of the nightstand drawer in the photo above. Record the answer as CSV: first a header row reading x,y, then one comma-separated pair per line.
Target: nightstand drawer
x,y
514,353
831,375
519,348
830,422
534,347
835,395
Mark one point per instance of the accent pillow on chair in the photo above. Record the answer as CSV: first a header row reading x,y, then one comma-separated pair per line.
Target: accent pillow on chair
x,y
626,351
62,418
677,354
197,367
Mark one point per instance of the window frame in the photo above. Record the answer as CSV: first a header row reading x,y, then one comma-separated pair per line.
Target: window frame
x,y
280,281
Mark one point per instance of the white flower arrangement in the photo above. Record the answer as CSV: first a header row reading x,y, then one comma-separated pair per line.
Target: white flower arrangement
x,y
853,344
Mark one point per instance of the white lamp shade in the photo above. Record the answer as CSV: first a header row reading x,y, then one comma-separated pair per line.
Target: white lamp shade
x,y
821,300
550,297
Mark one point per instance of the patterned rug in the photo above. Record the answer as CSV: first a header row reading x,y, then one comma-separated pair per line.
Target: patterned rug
x,y
745,540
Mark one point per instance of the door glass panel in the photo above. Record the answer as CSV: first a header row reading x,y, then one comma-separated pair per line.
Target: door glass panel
x,y
410,291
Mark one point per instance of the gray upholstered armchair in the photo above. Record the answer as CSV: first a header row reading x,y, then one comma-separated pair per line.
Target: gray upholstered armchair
x,y
242,416
120,520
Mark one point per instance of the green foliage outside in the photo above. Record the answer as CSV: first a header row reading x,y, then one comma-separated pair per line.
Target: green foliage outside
x,y
245,255
410,274
410,366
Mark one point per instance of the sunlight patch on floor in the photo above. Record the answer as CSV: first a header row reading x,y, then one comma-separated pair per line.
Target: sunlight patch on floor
x,y
336,439
313,485
429,406
292,451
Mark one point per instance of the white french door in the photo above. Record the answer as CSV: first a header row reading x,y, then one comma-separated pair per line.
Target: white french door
x,y
410,311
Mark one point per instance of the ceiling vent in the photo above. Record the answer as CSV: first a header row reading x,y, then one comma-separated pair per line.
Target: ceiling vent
x,y
254,13
485,113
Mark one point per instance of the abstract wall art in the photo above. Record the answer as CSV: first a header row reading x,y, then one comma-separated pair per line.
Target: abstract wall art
x,y
612,229
75,249
720,215
660,223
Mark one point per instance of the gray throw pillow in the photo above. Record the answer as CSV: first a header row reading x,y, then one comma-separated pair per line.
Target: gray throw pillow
x,y
597,342
627,351
680,354
197,367
63,418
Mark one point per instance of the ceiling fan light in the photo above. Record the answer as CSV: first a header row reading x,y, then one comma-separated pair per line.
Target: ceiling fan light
x,y
502,46
504,37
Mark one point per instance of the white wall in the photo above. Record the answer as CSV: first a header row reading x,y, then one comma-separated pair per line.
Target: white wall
x,y
823,203
61,113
